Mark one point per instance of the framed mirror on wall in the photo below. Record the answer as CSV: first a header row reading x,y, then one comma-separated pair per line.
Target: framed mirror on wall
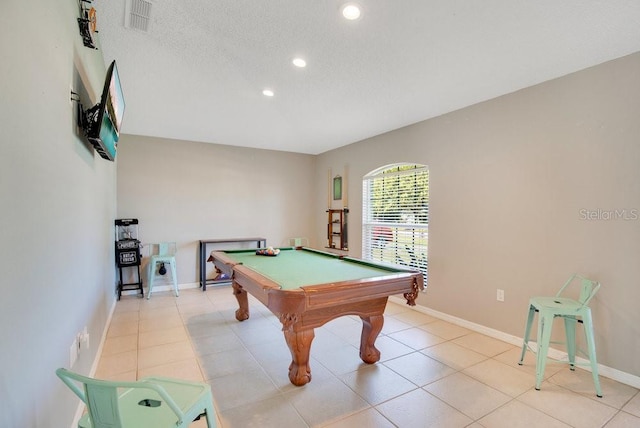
x,y
337,188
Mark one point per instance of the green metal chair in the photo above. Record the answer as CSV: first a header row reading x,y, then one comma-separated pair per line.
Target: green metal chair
x,y
573,311
163,253
153,402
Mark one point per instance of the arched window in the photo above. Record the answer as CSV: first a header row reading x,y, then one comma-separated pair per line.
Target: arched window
x,y
395,215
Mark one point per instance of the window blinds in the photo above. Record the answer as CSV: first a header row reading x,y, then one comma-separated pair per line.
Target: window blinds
x,y
396,216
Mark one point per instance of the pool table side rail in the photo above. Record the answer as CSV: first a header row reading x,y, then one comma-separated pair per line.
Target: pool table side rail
x,y
313,297
220,259
322,295
380,265
317,296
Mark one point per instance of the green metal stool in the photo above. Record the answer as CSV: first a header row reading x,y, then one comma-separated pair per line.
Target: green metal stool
x,y
573,312
150,402
163,253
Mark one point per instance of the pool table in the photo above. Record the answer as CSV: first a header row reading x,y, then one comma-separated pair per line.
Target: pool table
x,y
306,288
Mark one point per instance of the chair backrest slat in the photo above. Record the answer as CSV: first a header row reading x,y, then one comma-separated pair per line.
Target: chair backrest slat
x,y
100,396
588,289
163,249
102,401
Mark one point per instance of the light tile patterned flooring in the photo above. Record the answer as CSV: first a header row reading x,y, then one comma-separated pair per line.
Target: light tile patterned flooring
x,y
431,374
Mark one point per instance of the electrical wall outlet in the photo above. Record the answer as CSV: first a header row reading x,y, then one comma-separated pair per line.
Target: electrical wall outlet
x,y
73,353
500,295
85,337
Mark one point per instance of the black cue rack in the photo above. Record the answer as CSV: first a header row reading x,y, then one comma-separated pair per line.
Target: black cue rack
x,y
128,254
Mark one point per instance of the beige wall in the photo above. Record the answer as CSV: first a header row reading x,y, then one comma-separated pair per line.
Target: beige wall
x,y
509,180
58,205
512,180
185,191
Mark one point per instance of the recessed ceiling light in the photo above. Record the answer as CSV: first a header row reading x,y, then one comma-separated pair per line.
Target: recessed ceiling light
x,y
351,11
299,62
268,93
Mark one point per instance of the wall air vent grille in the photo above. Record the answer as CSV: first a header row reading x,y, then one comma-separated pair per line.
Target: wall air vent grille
x,y
138,15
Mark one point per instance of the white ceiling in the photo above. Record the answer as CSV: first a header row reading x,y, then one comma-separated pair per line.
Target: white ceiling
x,y
199,72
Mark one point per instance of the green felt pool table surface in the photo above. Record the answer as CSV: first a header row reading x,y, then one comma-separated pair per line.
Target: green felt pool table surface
x,y
296,268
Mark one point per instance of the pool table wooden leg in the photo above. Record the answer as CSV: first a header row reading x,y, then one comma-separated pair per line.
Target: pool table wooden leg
x,y
299,343
371,327
243,302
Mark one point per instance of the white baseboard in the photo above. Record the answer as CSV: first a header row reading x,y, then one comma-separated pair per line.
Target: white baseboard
x,y
166,286
96,361
611,373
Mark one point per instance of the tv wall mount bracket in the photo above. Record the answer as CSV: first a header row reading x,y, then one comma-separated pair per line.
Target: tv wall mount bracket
x,y
87,118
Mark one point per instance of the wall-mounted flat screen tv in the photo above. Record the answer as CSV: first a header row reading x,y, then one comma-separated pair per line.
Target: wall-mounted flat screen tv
x,y
103,121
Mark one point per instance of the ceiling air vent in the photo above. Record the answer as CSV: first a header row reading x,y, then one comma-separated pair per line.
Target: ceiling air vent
x,y
138,14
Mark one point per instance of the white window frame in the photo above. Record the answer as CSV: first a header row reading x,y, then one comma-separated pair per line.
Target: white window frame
x,y
395,217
